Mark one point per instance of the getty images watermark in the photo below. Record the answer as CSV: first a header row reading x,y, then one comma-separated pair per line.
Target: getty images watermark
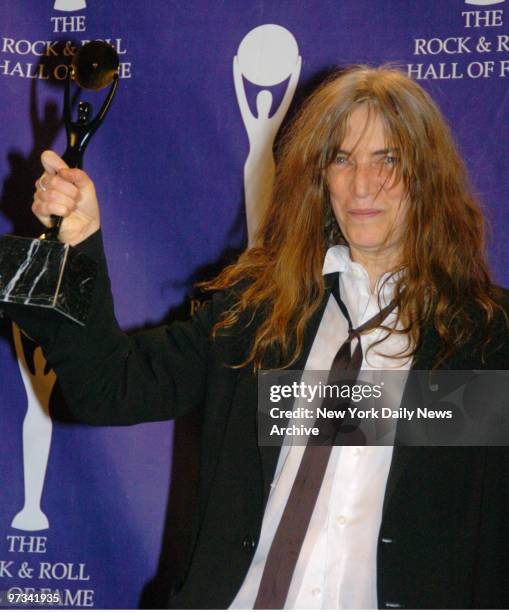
x,y
384,407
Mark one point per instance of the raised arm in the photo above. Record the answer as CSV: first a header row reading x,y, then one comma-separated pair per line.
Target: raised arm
x,y
290,90
106,104
245,111
107,376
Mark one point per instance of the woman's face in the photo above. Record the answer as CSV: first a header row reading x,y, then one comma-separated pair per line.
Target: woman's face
x,y
369,204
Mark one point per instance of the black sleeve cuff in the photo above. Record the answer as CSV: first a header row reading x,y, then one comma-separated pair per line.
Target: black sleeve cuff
x,y
93,246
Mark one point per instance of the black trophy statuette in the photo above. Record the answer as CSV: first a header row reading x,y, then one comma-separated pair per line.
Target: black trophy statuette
x,y
46,273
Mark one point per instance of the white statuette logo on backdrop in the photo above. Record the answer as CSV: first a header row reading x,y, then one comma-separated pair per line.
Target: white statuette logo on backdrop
x,y
267,56
37,428
70,5
484,2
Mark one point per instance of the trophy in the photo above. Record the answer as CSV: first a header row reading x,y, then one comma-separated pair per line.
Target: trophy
x,y
46,273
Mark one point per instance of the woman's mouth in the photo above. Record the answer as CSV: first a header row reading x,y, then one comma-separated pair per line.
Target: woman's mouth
x,y
364,213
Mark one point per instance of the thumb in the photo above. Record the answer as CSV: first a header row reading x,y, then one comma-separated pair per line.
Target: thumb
x,y
52,162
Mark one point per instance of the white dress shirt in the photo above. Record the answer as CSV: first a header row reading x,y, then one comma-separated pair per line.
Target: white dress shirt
x,y
336,568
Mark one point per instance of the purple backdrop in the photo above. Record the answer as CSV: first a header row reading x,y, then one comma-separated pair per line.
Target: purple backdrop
x,y
168,165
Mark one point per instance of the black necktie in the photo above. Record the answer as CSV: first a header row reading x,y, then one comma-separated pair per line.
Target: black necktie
x,y
289,537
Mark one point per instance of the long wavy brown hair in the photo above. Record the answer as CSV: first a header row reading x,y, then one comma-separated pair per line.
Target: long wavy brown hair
x,y
443,278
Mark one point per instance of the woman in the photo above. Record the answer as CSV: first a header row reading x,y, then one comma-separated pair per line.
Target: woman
x,y
368,167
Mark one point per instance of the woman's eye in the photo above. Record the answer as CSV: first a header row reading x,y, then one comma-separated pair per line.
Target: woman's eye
x,y
390,160
341,160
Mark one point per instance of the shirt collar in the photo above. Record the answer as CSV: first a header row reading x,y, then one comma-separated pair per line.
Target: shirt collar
x,y
337,259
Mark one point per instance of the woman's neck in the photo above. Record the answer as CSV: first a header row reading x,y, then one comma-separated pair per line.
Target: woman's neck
x,y
376,263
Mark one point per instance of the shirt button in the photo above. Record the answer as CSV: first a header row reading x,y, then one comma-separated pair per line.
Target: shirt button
x,y
356,451
341,519
249,544
316,592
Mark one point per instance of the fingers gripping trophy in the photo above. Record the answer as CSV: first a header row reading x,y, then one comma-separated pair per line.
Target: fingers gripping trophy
x,y
48,273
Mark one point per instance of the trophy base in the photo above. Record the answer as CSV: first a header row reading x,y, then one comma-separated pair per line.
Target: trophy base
x,y
46,274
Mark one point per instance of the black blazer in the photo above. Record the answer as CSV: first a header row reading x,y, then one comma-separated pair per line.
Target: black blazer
x,y
444,538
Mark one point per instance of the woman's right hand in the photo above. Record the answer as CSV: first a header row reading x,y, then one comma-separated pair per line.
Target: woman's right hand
x,y
68,193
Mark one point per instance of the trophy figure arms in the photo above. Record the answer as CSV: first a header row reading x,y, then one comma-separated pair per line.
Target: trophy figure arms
x,y
79,132
250,121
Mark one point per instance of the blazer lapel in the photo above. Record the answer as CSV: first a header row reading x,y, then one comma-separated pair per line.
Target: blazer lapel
x,y
402,455
465,363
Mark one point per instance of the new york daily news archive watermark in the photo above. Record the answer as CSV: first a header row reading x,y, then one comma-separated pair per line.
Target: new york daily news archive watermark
x,y
384,407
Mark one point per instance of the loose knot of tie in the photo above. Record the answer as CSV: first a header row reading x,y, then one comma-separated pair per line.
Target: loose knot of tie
x,y
353,333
